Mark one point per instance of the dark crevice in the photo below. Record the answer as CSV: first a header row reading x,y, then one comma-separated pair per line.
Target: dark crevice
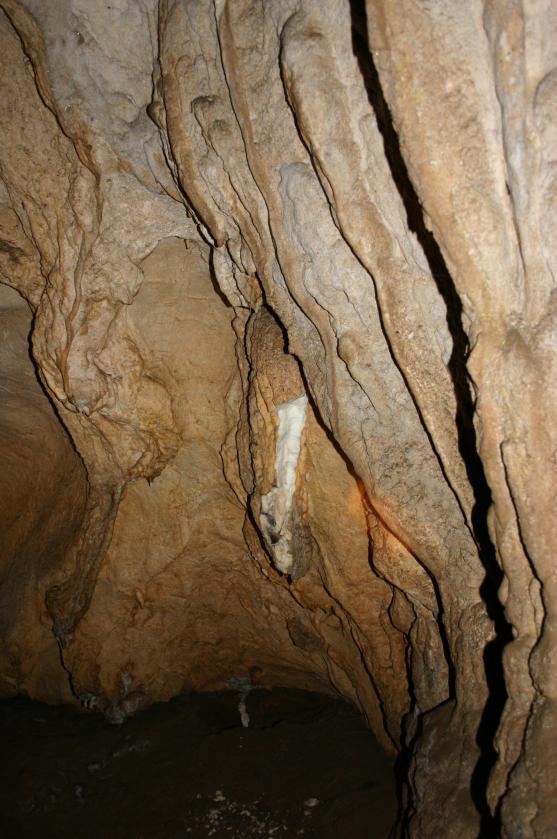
x,y
411,733
464,421
214,281
66,669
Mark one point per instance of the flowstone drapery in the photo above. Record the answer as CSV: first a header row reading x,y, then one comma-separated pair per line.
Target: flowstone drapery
x,y
211,210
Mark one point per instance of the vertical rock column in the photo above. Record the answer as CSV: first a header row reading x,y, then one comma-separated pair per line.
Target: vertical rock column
x,y
472,88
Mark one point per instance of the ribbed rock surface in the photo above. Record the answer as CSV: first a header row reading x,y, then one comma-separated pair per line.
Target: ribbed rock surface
x,y
215,209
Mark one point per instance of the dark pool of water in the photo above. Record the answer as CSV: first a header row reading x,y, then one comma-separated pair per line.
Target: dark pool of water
x,y
305,767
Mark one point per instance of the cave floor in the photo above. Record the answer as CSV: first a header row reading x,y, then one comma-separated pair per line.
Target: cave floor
x,y
306,766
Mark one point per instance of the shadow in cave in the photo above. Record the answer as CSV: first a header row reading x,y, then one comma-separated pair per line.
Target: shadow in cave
x,y
464,421
286,763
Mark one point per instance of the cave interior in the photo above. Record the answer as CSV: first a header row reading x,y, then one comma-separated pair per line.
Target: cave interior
x,y
277,372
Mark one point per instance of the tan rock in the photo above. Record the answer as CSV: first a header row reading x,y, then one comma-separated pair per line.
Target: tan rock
x,y
290,269
42,501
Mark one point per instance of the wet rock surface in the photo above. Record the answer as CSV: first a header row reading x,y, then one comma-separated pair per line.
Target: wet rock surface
x,y
306,766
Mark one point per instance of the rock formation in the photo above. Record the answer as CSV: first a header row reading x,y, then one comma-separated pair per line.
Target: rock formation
x,y
278,371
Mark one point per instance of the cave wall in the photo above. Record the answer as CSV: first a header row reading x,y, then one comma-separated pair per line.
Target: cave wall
x,y
42,497
223,215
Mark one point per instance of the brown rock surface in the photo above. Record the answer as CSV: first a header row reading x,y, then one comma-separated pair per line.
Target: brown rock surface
x,y
42,499
291,273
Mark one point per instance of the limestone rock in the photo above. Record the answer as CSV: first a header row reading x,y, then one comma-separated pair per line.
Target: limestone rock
x,y
287,273
42,500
